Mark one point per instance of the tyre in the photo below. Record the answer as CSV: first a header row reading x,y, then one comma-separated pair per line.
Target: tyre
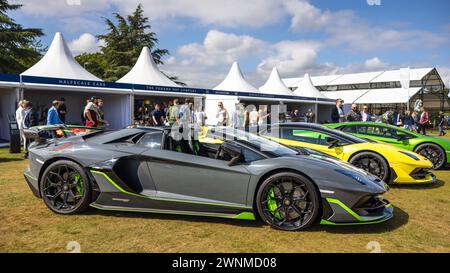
x,y
433,152
288,201
65,187
372,163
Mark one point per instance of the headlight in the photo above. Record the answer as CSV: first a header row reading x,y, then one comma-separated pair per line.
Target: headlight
x,y
410,155
355,176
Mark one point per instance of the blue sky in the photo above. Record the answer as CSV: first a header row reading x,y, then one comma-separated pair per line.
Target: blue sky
x,y
319,37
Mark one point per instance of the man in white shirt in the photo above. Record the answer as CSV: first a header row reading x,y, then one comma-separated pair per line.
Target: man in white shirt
x,y
20,114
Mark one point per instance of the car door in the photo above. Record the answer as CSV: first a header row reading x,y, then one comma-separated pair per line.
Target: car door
x,y
312,139
382,134
196,178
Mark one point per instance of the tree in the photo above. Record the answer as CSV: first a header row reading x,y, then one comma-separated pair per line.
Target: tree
x,y
124,42
93,62
19,47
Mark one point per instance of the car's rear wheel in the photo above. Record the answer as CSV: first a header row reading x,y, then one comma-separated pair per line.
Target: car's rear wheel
x,y
372,163
433,152
65,187
288,201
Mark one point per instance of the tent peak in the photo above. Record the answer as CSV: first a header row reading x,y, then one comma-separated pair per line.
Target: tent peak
x,y
274,85
307,89
58,62
234,81
145,71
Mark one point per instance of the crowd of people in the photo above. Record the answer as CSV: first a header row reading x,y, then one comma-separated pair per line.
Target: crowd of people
x,y
417,121
243,116
27,116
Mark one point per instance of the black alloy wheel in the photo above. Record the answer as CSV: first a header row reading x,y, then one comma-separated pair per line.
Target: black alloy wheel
x,y
372,163
434,153
65,188
288,201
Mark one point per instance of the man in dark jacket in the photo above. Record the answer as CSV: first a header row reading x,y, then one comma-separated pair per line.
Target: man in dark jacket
x,y
337,113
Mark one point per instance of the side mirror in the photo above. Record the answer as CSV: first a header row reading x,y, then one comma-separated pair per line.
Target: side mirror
x,y
333,142
401,137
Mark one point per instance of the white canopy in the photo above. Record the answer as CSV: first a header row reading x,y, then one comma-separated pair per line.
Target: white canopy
x,y
58,62
274,85
145,71
307,89
349,96
388,95
235,81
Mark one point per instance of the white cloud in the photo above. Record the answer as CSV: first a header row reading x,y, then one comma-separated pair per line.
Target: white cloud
x,y
222,48
62,8
375,64
86,43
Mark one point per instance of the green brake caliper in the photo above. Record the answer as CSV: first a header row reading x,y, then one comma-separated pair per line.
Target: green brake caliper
x,y
272,204
79,183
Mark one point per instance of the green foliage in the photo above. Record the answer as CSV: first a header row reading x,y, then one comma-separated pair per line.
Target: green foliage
x,y
124,41
19,47
93,62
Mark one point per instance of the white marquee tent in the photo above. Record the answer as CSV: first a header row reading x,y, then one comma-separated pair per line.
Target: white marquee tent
x,y
145,71
274,85
307,89
235,81
58,62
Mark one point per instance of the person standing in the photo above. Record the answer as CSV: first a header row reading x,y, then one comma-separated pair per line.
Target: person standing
x,y
353,114
90,113
441,123
337,113
200,116
253,117
100,113
365,115
407,121
20,113
415,118
173,112
31,119
158,116
221,115
185,113
310,116
424,121
52,114
62,110
295,116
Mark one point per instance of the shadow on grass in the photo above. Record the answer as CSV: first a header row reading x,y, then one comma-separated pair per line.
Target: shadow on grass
x,y
400,218
10,159
437,184
177,217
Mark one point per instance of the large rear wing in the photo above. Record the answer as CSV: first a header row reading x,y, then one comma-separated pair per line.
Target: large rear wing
x,y
40,134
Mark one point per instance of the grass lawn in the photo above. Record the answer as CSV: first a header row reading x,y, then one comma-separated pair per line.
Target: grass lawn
x,y
421,224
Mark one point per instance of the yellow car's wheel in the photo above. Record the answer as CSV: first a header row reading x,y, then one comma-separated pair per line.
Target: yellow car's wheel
x,y
372,163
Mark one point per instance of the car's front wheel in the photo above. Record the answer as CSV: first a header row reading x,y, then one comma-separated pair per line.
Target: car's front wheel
x,y
288,201
65,187
433,152
372,163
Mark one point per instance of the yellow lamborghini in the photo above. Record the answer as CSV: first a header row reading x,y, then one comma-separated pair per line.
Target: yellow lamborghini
x,y
389,163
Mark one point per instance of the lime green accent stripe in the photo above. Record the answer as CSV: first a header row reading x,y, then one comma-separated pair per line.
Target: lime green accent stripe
x,y
347,209
167,199
113,208
245,216
326,222
30,176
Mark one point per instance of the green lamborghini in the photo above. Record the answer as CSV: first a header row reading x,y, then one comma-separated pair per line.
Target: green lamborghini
x,y
437,150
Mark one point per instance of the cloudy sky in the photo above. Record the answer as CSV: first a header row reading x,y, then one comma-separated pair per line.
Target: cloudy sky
x,y
320,37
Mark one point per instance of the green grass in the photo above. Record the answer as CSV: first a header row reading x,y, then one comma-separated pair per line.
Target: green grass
x,y
421,224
